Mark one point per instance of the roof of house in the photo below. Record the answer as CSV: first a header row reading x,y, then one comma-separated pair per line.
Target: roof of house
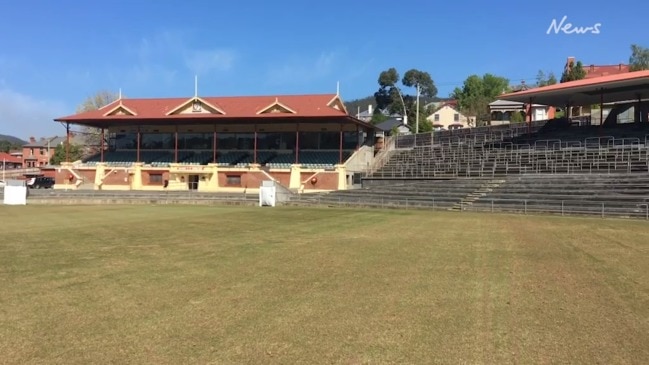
x,y
9,158
507,103
318,105
391,123
593,71
44,142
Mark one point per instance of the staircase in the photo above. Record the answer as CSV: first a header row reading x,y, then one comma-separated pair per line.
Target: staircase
x,y
477,194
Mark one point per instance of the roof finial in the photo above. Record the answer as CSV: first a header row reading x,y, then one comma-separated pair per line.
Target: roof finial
x,y
337,88
120,94
276,99
195,86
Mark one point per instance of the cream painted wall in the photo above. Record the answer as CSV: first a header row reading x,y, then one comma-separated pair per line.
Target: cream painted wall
x,y
447,117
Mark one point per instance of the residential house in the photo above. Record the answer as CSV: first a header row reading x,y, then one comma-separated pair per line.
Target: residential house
x,y
448,117
38,153
10,162
501,111
366,115
386,128
593,71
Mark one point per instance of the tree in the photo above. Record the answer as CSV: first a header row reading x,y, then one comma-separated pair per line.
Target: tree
x,y
542,80
6,146
477,92
94,102
517,117
574,72
76,153
639,59
378,117
390,97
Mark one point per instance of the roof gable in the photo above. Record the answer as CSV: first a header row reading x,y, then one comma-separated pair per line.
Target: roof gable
x,y
276,107
120,109
337,104
196,105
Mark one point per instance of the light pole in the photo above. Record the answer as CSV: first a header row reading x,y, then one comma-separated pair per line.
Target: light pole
x,y
417,116
405,113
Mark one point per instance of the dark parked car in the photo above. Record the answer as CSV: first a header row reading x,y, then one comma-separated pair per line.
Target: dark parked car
x,y
41,183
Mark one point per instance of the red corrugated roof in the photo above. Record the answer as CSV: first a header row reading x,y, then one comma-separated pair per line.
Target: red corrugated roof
x,y
9,158
319,105
585,82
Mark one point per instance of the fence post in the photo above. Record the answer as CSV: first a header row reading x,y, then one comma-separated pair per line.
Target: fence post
x,y
602,210
492,205
562,208
433,203
406,203
525,206
647,212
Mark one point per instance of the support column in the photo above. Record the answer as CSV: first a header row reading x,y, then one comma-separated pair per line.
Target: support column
x,y
67,142
601,108
254,157
214,145
639,108
297,143
101,147
358,137
137,157
529,118
340,147
176,145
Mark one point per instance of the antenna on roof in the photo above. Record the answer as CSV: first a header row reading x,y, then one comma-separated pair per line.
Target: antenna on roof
x,y
337,88
195,86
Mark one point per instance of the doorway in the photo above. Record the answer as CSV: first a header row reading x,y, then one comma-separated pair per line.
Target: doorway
x,y
192,182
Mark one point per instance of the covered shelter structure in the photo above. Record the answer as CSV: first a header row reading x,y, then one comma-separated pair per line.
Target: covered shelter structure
x,y
227,144
631,87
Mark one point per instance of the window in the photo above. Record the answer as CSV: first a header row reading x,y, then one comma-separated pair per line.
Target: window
x,y
437,117
155,178
456,117
233,180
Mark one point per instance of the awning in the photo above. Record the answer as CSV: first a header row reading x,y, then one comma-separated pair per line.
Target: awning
x,y
614,88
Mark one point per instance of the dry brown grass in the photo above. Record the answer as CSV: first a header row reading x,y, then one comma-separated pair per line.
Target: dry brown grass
x,y
226,285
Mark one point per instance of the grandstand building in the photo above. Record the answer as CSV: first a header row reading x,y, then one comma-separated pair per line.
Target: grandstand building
x,y
229,144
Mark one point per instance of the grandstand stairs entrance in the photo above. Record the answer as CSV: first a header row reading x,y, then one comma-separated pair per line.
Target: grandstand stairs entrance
x,y
477,194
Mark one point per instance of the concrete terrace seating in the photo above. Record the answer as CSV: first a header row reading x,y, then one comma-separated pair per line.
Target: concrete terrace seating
x,y
431,194
610,195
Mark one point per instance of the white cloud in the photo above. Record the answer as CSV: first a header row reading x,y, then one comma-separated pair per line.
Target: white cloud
x,y
164,57
206,61
304,69
24,116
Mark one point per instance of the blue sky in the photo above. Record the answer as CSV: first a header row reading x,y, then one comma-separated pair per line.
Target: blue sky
x,y
53,54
